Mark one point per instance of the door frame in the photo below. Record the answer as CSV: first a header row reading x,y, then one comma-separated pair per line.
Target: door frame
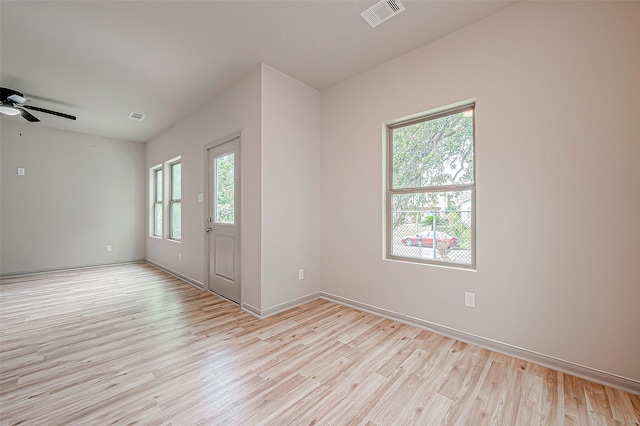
x,y
207,200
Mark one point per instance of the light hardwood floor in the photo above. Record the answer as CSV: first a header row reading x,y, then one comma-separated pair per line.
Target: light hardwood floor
x,y
131,344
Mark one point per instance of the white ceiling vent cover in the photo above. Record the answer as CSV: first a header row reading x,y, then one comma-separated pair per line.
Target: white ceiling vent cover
x,y
136,116
381,11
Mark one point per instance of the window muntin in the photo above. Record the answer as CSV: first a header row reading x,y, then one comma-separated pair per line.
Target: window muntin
x,y
431,187
175,202
157,190
224,185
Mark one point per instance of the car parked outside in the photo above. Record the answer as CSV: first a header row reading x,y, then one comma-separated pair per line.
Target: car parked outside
x,y
425,239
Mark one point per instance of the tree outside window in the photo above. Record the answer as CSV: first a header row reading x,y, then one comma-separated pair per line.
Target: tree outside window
x,y
431,188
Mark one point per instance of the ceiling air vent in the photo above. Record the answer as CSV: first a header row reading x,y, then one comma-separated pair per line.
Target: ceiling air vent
x,y
381,11
136,116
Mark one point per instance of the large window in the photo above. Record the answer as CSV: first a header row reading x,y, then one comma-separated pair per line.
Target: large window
x,y
165,183
175,203
430,188
157,190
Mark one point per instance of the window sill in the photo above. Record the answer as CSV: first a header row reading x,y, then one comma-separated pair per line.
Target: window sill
x,y
456,266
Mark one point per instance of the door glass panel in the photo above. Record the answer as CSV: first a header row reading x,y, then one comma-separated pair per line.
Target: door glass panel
x,y
224,173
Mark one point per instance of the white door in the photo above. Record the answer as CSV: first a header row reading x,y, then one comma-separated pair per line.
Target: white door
x,y
223,245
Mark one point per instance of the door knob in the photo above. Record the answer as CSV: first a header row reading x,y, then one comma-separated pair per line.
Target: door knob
x,y
208,229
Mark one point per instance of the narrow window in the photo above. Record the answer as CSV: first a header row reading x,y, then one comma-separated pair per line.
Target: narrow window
x,y
430,194
175,203
224,195
157,190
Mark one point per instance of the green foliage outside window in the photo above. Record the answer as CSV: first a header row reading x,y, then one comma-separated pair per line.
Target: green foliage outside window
x,y
432,153
225,189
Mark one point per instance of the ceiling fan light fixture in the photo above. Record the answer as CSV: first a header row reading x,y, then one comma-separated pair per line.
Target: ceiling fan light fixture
x,y
9,110
18,98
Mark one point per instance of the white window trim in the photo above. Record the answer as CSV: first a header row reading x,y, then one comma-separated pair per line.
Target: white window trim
x,y
172,201
388,190
167,201
153,200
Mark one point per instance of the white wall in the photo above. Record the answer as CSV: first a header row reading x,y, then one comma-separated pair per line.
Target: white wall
x,y
291,139
79,193
235,109
557,131
557,144
279,121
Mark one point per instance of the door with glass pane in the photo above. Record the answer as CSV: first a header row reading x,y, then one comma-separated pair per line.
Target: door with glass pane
x,y
223,240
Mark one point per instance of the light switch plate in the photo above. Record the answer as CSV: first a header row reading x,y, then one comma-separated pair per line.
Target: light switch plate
x,y
20,171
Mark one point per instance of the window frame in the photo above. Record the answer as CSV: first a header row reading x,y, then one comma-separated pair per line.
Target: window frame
x,y
157,200
172,201
390,191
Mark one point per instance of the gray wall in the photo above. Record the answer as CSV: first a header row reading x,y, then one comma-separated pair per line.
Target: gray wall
x,y
235,109
291,139
279,121
557,149
558,99
79,193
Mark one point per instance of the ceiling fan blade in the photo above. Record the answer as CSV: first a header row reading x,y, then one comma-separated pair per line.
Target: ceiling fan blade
x,y
48,111
27,115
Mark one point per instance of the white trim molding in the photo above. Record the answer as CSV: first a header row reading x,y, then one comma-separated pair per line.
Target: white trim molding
x,y
283,306
252,310
588,373
176,274
68,268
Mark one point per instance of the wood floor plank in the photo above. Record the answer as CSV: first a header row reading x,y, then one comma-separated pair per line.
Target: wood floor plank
x,y
130,344
618,400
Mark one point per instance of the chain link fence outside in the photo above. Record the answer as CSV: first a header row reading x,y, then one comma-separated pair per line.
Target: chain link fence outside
x,y
441,235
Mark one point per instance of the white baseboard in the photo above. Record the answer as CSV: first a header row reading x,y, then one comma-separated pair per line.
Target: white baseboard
x,y
598,376
176,274
592,374
252,310
68,268
285,306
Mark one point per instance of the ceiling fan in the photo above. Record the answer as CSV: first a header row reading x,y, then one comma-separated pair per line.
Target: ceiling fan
x,y
13,103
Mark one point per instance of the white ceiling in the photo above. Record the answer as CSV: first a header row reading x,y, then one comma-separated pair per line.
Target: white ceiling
x,y
101,60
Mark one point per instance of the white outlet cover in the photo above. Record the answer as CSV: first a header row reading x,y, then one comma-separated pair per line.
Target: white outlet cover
x,y
470,300
20,171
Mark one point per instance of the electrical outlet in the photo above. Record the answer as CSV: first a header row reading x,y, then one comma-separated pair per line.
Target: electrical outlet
x,y
470,300
179,257
300,274
109,248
